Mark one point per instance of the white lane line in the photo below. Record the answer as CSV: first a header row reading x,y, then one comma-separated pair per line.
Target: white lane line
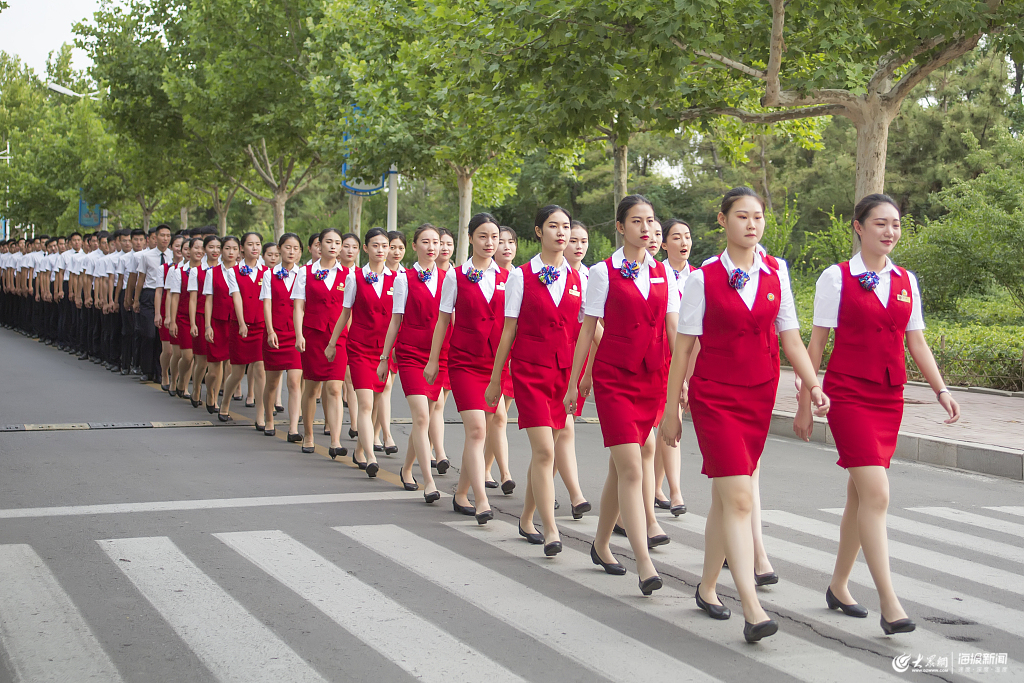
x,y
940,562
783,652
949,536
1009,509
592,644
990,523
231,642
791,598
45,636
208,504
365,612
952,602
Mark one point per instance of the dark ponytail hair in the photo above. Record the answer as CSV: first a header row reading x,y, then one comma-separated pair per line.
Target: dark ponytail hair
x,y
268,245
869,203
510,231
397,235
627,203
324,232
425,228
671,223
546,212
230,238
734,195
442,232
250,234
480,219
579,224
288,236
212,238
375,232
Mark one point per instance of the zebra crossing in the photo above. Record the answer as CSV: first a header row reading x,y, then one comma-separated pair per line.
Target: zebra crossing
x,y
564,611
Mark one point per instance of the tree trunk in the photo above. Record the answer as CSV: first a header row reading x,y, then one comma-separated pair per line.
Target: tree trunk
x,y
716,161
1018,81
184,218
872,124
764,174
355,217
222,221
465,180
280,200
620,177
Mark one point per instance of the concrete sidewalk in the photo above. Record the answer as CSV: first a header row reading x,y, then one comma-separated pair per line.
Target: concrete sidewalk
x,y
989,438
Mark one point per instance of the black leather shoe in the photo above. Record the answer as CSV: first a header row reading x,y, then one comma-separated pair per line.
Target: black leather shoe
x,y
534,539
648,586
433,464
579,510
269,432
720,612
442,466
223,418
556,504
677,510
484,517
195,403
663,504
755,632
432,497
490,484
467,510
278,409
371,470
260,428
211,409
390,450
660,539
294,438
335,452
250,405
853,610
360,465
327,430
378,449
766,579
352,433
308,449
618,530
552,549
613,568
898,626
507,487
414,486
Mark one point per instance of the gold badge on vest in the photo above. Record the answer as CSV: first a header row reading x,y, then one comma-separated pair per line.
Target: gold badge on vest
x,y
771,296
574,291
902,296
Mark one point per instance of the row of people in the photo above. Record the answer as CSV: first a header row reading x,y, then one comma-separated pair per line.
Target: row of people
x,y
648,339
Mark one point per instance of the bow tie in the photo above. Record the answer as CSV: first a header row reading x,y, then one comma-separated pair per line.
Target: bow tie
x,y
738,279
630,269
869,280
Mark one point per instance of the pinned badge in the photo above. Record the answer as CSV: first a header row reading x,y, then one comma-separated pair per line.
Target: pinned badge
x,y
902,296
771,297
574,291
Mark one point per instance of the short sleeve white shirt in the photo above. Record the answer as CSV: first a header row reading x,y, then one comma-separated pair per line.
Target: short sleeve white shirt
x,y
597,283
350,284
289,279
172,283
829,288
401,296
299,289
515,286
450,286
193,279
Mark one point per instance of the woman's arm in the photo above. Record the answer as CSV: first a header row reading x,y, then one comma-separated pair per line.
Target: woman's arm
x,y
803,422
268,323
508,335
389,342
298,315
339,325
209,318
243,329
671,422
432,367
583,342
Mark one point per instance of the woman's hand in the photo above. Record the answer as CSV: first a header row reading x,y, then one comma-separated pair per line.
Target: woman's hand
x,y
803,423
272,340
570,400
243,329
331,351
430,371
671,428
173,328
586,384
382,371
209,333
493,393
947,401
194,331
300,342
820,401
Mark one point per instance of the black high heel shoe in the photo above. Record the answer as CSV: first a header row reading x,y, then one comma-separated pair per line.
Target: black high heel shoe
x,y
660,539
414,486
755,632
390,450
766,579
211,409
720,612
294,438
269,432
378,449
431,497
490,484
250,405
223,418
677,510
533,539
308,449
371,470
327,430
613,568
618,530
898,626
195,403
442,466
278,409
579,510
467,510
663,504
552,549
853,610
648,586
261,428
484,517
335,452
352,433
507,487
360,465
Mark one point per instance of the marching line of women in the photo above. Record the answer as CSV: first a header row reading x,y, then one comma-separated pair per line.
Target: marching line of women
x,y
649,339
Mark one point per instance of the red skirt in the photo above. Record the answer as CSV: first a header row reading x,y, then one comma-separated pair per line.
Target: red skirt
x,y
285,357
507,387
183,339
199,342
864,418
363,370
731,423
392,364
248,350
315,366
410,373
218,350
165,334
540,393
627,404
469,377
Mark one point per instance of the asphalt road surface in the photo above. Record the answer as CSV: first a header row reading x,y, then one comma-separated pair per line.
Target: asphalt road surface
x,y
213,553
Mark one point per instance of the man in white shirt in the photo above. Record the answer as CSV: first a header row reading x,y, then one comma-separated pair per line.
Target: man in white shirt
x,y
64,302
129,275
150,276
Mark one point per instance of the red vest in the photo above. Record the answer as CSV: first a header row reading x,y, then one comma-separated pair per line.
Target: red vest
x,y
371,314
281,307
869,338
183,299
223,305
201,275
478,323
739,346
634,329
421,310
252,307
546,334
323,307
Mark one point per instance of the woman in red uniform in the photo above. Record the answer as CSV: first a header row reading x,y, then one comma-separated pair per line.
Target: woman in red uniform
x,y
873,306
541,346
368,302
279,354
246,347
319,296
497,424
348,256
220,315
739,305
439,460
180,324
415,309
635,296
161,321
197,317
383,441
271,260
473,302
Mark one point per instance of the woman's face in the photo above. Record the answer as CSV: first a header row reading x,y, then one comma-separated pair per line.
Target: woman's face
x,y
427,246
229,252
554,234
446,249
291,251
638,230
579,243
880,231
677,244
212,251
314,249
253,246
272,256
506,252
349,250
377,249
744,225
655,242
485,240
176,248
396,252
196,252
330,245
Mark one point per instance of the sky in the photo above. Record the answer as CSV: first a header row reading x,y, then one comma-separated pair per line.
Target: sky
x,y
32,29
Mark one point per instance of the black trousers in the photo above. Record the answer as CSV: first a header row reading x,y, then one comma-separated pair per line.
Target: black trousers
x,y
127,333
63,315
145,329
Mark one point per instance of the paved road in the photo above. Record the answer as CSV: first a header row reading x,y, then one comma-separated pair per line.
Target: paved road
x,y
217,554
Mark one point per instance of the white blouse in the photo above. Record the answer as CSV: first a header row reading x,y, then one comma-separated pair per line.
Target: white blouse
x,y
208,283
514,288
450,286
265,291
691,311
401,296
299,289
829,289
597,285
350,284
232,279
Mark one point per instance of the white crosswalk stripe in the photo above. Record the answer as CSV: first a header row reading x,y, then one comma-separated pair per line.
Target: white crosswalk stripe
x,y
45,636
981,521
942,562
783,652
952,537
1009,509
365,612
562,628
230,641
